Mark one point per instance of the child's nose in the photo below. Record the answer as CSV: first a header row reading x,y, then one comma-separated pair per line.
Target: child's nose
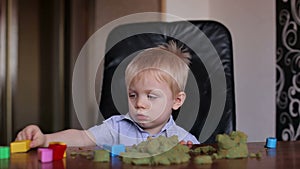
x,y
142,102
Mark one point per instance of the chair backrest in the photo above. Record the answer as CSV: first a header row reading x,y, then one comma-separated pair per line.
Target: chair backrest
x,y
210,45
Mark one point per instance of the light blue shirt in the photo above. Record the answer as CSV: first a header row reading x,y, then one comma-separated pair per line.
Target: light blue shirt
x,y
122,129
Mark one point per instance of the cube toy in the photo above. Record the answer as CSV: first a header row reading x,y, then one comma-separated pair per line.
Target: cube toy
x,y
114,149
45,155
59,150
101,156
4,152
20,146
61,143
271,142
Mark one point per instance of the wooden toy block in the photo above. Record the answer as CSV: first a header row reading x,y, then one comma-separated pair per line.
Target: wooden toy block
x,y
4,152
101,156
45,155
115,150
59,150
20,146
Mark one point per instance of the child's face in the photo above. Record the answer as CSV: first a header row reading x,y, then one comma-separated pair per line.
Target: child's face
x,y
150,102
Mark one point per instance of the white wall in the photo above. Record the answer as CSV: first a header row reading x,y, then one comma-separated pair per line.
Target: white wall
x,y
252,26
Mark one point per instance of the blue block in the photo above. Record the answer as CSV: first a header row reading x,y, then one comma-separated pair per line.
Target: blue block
x,y
114,150
271,142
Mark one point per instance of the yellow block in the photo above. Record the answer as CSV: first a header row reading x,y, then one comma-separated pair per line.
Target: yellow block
x,y
19,146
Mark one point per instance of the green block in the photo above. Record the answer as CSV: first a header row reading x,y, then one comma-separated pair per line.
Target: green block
x,y
4,152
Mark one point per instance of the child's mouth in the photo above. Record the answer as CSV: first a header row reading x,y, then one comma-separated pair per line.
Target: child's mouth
x,y
141,117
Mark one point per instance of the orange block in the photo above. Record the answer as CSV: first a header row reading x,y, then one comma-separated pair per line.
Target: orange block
x,y
20,146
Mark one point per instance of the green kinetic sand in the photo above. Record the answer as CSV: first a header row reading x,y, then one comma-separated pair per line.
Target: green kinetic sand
x,y
233,145
101,156
168,151
157,151
203,159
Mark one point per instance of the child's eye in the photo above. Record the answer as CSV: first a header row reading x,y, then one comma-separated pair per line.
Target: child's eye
x,y
151,96
132,95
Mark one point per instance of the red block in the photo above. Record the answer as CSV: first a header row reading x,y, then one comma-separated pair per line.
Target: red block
x,y
58,150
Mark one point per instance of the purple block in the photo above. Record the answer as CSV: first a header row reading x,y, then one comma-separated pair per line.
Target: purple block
x,y
45,155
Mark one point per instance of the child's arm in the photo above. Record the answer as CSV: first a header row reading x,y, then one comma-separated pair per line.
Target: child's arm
x,y
71,137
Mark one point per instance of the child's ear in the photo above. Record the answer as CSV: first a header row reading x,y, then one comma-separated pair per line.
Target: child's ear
x,y
178,100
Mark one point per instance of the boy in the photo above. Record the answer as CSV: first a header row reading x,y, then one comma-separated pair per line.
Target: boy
x,y
155,81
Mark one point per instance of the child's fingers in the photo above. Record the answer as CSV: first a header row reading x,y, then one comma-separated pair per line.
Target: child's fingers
x,y
37,140
29,132
182,142
189,143
20,136
35,143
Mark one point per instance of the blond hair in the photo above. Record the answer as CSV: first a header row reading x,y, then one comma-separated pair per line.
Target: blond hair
x,y
167,62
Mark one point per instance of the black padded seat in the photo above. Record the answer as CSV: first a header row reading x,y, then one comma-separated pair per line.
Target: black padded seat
x,y
126,40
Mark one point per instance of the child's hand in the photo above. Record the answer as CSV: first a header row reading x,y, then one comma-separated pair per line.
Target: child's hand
x,y
188,143
33,133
